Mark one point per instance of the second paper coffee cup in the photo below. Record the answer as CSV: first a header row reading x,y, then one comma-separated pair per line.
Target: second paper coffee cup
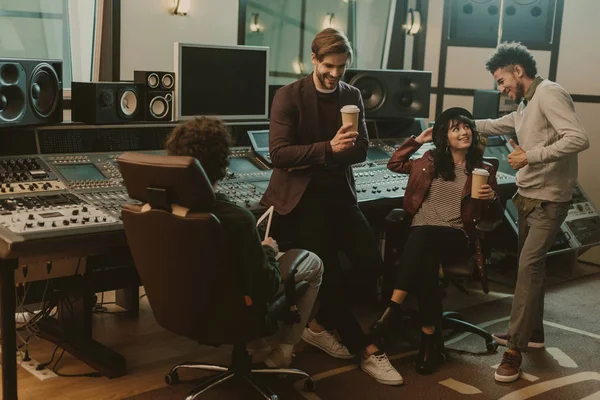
x,y
480,177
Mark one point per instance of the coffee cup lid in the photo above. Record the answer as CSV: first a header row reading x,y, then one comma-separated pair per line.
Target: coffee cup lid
x,y
481,171
350,108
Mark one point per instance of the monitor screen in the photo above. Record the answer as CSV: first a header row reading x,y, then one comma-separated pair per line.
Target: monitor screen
x,y
80,172
230,82
375,153
259,140
242,166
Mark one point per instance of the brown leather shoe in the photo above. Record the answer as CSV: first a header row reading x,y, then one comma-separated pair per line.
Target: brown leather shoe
x,y
510,367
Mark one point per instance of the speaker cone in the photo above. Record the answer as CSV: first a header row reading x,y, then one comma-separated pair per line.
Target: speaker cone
x,y
12,103
167,81
371,91
128,103
153,81
43,90
159,107
9,74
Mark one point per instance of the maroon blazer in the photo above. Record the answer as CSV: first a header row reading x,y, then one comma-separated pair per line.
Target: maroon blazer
x,y
422,173
294,149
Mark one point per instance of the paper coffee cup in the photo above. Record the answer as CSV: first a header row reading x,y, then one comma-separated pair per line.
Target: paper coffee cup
x,y
480,177
350,114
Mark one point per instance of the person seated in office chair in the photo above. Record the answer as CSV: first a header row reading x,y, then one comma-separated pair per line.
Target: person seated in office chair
x,y
438,197
208,141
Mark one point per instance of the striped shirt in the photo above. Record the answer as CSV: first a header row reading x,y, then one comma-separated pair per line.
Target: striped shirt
x,y
441,206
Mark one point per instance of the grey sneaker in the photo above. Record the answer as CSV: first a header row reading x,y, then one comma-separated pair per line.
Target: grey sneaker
x,y
381,369
502,340
326,342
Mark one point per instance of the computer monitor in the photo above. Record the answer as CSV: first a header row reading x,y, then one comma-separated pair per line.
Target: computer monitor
x,y
229,82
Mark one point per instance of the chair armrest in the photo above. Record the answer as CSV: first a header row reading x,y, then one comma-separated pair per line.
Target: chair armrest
x,y
488,226
396,215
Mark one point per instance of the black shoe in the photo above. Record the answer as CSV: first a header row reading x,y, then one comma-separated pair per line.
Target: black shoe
x,y
429,353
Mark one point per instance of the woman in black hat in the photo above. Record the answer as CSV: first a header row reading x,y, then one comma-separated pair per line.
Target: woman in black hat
x,y
438,197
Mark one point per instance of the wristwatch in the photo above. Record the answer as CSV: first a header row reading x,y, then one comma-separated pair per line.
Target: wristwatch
x,y
413,137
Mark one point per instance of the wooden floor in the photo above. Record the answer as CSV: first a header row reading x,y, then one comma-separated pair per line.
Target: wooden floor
x,y
150,352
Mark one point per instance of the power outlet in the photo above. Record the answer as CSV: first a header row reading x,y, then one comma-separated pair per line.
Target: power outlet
x,y
31,365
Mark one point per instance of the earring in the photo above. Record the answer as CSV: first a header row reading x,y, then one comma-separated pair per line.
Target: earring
x,y
447,149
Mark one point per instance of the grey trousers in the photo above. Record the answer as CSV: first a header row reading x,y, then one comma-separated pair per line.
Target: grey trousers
x,y
310,270
537,233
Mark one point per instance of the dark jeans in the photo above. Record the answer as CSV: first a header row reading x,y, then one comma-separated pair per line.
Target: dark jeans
x,y
320,225
426,248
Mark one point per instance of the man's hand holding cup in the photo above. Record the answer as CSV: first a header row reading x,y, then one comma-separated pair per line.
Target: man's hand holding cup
x,y
344,138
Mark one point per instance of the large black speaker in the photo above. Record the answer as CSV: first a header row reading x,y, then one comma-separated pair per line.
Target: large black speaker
x,y
392,93
31,92
527,21
107,102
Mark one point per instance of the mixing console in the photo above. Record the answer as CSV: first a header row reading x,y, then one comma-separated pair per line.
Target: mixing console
x,y
49,215
582,222
27,175
71,193
110,201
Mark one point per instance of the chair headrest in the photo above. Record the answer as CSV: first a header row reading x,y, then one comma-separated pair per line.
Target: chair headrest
x,y
164,180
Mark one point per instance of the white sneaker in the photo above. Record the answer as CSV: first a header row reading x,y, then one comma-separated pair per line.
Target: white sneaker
x,y
380,369
326,342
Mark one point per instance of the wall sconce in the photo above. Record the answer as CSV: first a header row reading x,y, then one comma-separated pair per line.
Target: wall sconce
x,y
413,22
180,7
298,67
254,26
328,21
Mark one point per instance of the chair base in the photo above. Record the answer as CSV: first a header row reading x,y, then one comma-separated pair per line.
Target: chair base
x,y
454,320
240,369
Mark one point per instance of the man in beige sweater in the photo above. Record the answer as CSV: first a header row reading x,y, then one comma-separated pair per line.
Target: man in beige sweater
x,y
550,135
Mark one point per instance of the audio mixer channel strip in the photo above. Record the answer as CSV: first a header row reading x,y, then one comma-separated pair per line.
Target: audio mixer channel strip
x,y
68,194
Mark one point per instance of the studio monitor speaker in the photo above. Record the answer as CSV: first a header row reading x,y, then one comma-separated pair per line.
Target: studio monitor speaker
x,y
31,92
392,93
107,102
155,80
527,21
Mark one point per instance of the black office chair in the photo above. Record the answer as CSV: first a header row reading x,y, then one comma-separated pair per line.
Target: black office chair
x,y
182,255
457,273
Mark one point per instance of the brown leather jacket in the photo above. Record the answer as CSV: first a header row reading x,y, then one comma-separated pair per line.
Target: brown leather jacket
x,y
422,172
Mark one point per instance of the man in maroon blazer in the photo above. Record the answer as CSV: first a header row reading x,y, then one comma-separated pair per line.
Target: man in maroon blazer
x,y
313,191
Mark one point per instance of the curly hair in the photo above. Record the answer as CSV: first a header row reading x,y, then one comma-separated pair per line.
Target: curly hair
x,y
207,140
331,41
442,158
509,54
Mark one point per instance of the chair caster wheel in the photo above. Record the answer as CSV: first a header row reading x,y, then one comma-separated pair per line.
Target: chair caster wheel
x,y
491,346
172,378
310,385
